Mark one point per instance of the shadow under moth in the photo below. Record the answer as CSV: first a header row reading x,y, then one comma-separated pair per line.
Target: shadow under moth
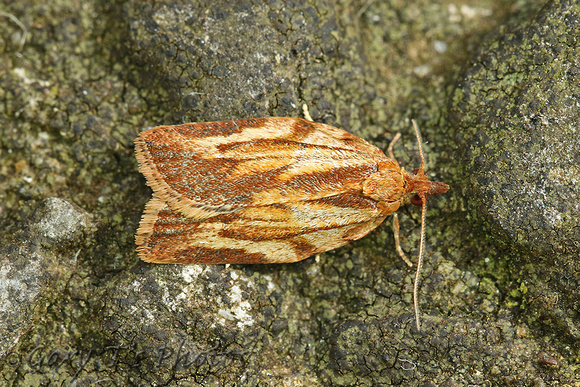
x,y
268,190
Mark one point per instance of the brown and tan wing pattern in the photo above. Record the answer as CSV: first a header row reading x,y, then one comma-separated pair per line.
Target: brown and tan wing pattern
x,y
205,169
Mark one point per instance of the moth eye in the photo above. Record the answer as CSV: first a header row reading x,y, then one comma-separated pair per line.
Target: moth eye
x,y
414,172
416,200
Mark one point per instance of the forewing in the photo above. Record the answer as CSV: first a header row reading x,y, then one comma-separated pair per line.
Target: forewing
x,y
277,233
207,169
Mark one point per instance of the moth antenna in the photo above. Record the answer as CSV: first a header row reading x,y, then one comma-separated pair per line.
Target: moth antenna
x,y
420,142
419,261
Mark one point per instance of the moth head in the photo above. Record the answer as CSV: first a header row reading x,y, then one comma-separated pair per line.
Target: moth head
x,y
419,187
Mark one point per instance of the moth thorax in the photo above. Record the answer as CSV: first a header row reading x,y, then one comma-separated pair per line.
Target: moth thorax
x,y
385,186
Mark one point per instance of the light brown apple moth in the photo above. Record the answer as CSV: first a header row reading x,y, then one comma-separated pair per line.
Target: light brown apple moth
x,y
266,190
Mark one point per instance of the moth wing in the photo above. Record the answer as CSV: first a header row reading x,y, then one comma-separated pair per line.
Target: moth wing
x,y
271,234
207,169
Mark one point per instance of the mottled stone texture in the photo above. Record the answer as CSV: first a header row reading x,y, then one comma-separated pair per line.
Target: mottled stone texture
x,y
517,120
518,127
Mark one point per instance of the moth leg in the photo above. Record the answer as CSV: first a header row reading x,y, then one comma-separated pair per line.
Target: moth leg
x,y
397,242
391,145
306,113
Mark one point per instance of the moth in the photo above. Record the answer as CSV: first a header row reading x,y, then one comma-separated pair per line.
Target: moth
x,y
267,190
